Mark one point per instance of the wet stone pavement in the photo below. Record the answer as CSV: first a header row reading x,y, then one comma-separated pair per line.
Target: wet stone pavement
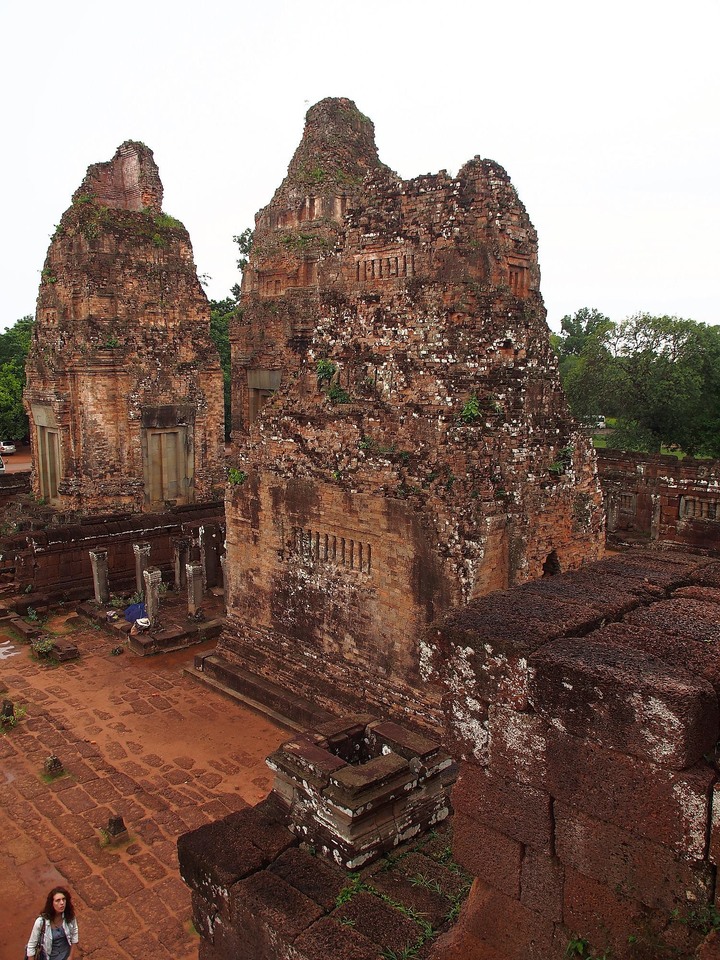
x,y
140,739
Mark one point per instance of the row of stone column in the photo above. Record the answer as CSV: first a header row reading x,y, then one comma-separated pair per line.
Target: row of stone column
x,y
148,580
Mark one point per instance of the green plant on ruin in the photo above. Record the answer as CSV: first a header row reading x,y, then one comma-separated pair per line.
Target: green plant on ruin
x,y
236,477
406,954
112,343
580,947
325,370
562,461
163,221
704,919
420,880
47,276
301,241
370,445
11,721
337,394
42,647
355,885
471,411
83,198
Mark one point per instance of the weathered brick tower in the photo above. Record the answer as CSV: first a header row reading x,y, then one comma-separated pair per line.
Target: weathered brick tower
x,y
124,388
402,442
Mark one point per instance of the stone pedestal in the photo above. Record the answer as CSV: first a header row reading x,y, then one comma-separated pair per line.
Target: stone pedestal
x,y
99,563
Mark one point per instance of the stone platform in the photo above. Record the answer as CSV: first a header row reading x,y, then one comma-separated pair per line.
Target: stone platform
x,y
174,630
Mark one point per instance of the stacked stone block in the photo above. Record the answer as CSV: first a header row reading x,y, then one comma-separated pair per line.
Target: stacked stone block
x,y
356,788
585,800
269,883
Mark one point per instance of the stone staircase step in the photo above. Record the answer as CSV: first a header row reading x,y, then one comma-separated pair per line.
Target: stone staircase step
x,y
258,692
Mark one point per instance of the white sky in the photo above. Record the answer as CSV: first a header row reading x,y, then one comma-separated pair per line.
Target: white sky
x,y
605,115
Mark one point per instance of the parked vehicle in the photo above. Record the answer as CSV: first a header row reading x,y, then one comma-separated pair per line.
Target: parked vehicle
x,y
2,465
6,448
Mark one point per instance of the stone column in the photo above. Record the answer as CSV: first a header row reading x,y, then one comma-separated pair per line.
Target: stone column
x,y
98,562
223,566
142,562
195,587
209,536
181,551
153,579
656,517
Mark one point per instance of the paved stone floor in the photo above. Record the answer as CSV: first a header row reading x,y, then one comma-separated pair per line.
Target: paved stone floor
x,y
140,739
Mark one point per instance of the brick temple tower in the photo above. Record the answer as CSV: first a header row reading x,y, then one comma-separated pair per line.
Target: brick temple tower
x,y
402,442
124,387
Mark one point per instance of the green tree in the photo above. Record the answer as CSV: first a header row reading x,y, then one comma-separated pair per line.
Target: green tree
x,y
587,366
244,242
221,312
15,341
659,376
14,346
669,383
576,329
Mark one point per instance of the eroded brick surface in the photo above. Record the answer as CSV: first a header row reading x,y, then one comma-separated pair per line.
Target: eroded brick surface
x,y
398,415
595,735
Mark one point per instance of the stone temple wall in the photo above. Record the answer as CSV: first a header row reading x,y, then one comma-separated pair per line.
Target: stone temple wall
x,y
661,498
124,388
400,433
584,712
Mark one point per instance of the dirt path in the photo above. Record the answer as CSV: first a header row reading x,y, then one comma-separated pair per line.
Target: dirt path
x,y
139,739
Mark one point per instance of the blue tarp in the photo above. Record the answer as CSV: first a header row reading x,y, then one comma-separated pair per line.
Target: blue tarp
x,y
134,612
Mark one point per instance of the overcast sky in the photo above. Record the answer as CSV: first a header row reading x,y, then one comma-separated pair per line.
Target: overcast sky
x,y
605,115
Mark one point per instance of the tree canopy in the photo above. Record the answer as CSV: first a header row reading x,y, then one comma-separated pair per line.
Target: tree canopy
x,y
658,376
14,346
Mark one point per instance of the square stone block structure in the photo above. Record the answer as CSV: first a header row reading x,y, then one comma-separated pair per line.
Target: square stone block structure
x,y
400,433
358,787
124,387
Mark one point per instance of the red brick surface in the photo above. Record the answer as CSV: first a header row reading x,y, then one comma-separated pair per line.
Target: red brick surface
x,y
625,700
487,854
542,881
667,806
520,812
621,860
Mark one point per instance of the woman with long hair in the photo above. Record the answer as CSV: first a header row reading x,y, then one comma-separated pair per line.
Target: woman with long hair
x,y
56,929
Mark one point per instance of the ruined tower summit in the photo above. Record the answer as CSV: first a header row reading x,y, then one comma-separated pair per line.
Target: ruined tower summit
x,y
401,440
124,387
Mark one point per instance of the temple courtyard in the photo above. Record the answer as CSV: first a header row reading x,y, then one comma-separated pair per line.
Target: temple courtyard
x,y
138,738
